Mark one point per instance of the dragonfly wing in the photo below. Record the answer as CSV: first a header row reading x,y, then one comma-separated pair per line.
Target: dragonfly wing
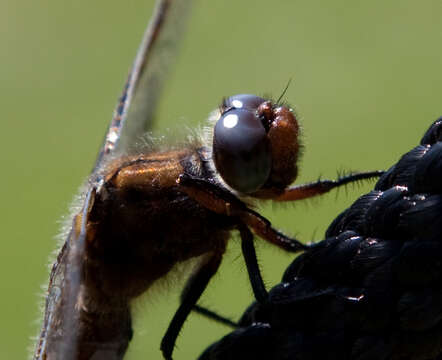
x,y
132,116
58,338
135,110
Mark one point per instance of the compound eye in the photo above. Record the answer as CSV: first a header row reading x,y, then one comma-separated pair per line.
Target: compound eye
x,y
243,101
241,150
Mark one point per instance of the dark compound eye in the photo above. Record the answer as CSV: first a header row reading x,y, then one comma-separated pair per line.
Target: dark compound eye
x,y
243,101
241,149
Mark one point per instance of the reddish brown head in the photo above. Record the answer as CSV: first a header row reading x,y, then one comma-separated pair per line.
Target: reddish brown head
x,y
256,146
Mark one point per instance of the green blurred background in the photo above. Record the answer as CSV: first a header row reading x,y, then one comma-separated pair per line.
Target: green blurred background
x,y
366,82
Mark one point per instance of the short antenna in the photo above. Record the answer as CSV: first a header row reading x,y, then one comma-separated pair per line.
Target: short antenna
x,y
284,91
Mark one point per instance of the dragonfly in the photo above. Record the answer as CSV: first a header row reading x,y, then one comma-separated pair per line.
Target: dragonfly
x,y
145,210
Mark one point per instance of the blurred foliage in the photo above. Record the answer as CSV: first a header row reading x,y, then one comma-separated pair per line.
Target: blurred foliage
x,y
366,83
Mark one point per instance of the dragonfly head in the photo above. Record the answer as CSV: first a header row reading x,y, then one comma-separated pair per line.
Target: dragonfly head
x,y
256,145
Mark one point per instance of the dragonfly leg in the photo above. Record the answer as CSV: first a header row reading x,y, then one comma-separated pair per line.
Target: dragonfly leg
x,y
258,287
254,273
215,316
305,191
192,292
223,202
249,253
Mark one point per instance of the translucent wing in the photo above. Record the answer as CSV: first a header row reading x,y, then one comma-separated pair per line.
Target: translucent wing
x,y
63,290
133,115
136,109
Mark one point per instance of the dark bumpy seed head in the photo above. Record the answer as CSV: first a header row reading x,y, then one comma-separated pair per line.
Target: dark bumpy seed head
x,y
255,145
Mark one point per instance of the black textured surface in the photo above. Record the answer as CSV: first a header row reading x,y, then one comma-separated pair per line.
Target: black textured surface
x,y
372,289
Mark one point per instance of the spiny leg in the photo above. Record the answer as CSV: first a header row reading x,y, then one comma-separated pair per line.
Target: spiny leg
x,y
215,316
249,253
192,292
305,191
258,286
221,201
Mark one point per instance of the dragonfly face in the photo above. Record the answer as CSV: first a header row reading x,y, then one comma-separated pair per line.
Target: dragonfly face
x,y
143,213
